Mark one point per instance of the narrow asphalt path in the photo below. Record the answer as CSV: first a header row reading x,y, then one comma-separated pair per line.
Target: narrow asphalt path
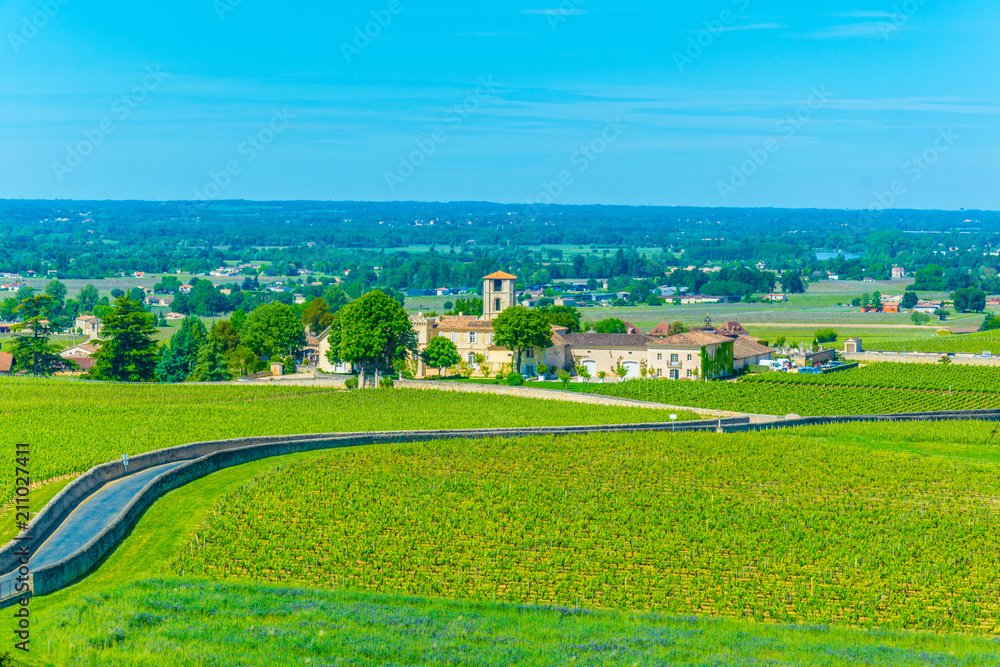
x,y
88,519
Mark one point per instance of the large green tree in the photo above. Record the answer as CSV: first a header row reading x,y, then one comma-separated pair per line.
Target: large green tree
x,y
518,328
274,330
227,334
31,349
441,353
969,299
609,326
212,365
88,298
336,298
129,353
317,316
181,356
372,333
563,316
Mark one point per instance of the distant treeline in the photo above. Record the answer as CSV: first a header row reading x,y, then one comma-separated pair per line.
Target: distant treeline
x,y
93,240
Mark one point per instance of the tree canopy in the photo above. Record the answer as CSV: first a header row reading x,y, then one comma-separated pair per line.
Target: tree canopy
x,y
181,356
517,328
274,330
129,353
372,333
441,353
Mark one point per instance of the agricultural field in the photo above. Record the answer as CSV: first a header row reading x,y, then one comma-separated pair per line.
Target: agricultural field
x,y
937,378
72,425
784,397
975,343
826,525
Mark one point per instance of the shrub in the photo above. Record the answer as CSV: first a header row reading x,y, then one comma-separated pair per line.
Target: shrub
x,y
515,380
386,382
826,336
501,376
351,382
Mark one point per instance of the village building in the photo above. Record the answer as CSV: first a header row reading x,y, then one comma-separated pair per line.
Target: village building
x,y
687,356
88,325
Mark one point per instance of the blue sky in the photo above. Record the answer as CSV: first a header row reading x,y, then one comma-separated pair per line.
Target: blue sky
x,y
726,102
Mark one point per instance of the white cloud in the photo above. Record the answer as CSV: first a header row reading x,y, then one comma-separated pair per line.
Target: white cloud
x,y
868,29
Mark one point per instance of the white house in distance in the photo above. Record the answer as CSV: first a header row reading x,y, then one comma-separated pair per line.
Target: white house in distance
x,y
687,356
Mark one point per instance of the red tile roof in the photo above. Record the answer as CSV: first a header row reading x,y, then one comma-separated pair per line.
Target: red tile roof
x,y
500,275
6,362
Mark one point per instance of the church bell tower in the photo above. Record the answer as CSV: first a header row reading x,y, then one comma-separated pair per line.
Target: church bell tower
x,y
498,294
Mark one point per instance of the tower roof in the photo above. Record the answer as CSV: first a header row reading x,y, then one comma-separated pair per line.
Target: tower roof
x,y
500,275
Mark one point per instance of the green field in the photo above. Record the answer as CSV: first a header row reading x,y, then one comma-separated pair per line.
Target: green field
x,y
975,343
72,426
793,397
800,541
929,377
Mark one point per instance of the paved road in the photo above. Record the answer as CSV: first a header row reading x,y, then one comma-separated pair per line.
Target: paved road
x,y
90,517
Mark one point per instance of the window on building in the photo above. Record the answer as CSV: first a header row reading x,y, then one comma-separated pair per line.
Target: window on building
x,y
472,358
690,373
674,358
530,353
497,285
674,375
489,339
659,372
659,356
452,336
472,337
497,305
689,357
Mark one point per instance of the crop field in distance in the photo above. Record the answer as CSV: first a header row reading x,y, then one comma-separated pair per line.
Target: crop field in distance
x,y
827,525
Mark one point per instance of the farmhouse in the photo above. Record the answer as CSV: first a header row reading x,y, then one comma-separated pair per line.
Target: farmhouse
x,y
78,351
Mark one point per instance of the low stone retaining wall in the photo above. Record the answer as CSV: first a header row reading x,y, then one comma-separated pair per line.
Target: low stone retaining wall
x,y
919,358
